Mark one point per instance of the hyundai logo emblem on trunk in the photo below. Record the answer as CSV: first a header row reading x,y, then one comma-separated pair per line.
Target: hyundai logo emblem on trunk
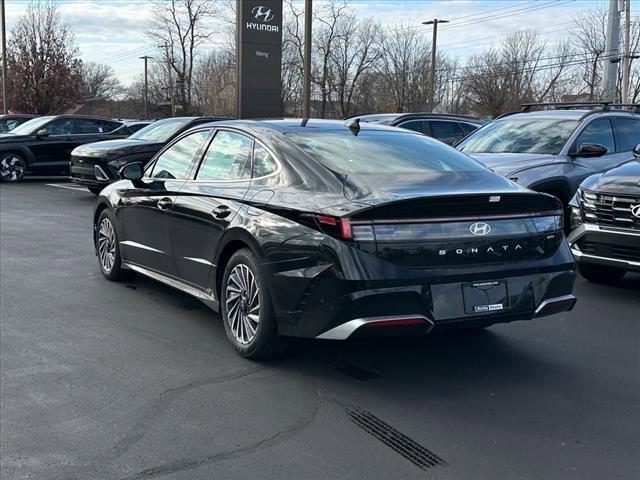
x,y
480,228
261,13
635,210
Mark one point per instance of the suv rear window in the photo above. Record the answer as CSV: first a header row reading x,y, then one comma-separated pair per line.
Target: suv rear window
x,y
382,152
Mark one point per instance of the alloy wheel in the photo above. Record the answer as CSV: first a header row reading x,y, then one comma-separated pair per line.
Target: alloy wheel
x,y
106,245
243,303
11,169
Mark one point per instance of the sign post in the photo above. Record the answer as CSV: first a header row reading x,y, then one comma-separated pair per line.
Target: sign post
x,y
259,55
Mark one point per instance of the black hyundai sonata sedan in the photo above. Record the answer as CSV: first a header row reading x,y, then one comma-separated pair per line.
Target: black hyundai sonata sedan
x,y
330,230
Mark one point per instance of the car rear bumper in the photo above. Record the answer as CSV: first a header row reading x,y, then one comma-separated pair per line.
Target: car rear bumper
x,y
593,244
321,303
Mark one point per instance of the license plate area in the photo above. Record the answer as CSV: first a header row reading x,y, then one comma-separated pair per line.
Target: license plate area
x,y
485,297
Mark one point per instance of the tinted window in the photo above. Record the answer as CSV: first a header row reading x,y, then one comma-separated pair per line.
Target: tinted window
x,y
600,132
61,126
89,126
174,162
263,162
628,132
228,157
446,131
383,152
468,127
540,135
7,125
415,125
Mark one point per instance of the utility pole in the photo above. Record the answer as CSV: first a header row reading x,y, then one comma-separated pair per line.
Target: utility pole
x,y
3,27
170,77
146,86
611,58
432,87
306,94
626,59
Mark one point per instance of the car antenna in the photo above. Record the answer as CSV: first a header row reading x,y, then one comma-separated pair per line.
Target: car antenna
x,y
304,122
354,126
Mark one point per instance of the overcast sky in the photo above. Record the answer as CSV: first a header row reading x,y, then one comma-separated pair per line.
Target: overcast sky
x,y
113,31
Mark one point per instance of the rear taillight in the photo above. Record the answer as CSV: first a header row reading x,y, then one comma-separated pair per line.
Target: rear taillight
x,y
334,226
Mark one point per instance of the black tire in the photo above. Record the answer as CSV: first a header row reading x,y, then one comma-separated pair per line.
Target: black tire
x,y
12,167
600,273
252,339
112,270
95,190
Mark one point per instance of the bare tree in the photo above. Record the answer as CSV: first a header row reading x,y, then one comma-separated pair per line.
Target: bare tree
x,y
214,83
404,68
356,51
181,26
99,82
45,73
588,37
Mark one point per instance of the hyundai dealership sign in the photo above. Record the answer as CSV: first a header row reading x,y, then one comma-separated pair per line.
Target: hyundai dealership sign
x,y
259,24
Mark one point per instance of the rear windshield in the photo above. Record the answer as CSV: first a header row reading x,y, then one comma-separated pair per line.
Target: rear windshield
x,y
382,152
543,136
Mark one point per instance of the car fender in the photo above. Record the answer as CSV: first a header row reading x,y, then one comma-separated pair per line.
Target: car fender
x,y
563,176
19,148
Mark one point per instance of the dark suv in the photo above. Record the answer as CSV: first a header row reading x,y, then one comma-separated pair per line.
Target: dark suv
x,y
605,216
43,145
446,127
96,165
553,150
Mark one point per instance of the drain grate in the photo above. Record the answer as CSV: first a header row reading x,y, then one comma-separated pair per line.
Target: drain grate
x,y
408,448
354,371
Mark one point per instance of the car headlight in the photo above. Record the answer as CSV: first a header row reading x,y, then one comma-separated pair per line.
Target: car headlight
x,y
576,217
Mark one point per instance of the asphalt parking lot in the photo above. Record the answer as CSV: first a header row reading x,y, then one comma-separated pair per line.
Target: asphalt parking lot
x,y
102,380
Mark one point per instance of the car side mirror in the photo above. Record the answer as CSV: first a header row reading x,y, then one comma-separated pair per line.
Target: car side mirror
x,y
636,151
42,133
590,150
132,171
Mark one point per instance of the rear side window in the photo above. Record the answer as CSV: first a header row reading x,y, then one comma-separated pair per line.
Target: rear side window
x,y
175,162
468,127
227,158
599,132
382,152
415,125
89,126
628,133
447,132
263,162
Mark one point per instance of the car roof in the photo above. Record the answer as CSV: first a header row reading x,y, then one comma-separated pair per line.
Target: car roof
x,y
394,117
290,125
568,114
17,115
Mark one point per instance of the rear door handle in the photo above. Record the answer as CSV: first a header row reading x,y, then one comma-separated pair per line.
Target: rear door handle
x,y
164,203
221,212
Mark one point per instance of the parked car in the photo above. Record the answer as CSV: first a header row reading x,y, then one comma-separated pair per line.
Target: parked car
x,y
43,145
96,164
129,127
446,127
605,216
316,229
11,121
553,151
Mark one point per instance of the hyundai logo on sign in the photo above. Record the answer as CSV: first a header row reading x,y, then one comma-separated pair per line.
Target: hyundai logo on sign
x,y
480,228
635,210
263,15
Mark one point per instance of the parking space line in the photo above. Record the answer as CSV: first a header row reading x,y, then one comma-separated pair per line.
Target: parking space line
x,y
80,189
